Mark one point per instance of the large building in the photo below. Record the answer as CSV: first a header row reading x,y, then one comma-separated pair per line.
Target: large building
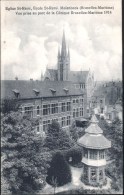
x,y
47,100
81,79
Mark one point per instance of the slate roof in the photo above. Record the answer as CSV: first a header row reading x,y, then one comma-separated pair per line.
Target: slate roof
x,y
53,74
26,88
94,142
94,137
78,76
75,76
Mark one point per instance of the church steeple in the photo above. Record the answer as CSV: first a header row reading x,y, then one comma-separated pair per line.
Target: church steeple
x,y
63,61
59,52
63,49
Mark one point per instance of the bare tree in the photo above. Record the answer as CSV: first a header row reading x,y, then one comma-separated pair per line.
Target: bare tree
x,y
54,183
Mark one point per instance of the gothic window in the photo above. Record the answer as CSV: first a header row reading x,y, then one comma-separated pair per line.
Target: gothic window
x,y
68,106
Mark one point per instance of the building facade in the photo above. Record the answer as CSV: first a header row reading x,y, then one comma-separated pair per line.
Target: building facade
x,y
48,101
81,79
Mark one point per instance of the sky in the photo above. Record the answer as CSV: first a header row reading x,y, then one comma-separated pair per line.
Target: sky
x,y
30,43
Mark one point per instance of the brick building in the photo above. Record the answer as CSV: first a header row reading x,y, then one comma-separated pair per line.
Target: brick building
x,y
47,100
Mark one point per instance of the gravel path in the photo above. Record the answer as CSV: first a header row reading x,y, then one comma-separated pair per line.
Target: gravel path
x,y
75,184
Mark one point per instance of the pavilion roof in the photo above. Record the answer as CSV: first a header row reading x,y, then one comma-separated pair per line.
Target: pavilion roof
x,y
94,137
94,141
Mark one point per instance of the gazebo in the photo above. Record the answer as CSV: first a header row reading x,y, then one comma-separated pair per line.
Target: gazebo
x,y
94,145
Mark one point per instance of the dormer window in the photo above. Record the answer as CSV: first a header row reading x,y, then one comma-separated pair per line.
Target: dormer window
x,y
53,91
36,92
16,93
66,90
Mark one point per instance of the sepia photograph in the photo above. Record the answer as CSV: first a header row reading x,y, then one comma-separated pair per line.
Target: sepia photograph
x,y
61,97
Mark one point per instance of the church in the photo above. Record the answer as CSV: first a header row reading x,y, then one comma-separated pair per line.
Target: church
x,y
81,79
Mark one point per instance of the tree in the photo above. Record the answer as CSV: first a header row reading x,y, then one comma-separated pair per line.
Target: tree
x,y
8,105
74,131
114,132
56,138
59,170
25,158
75,154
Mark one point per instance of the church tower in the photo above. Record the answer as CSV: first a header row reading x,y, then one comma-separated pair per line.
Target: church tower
x,y
63,61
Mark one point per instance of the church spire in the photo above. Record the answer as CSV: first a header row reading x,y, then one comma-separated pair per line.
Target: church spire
x,y
58,52
63,49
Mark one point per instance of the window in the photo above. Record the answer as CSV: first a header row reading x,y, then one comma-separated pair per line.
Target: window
x,y
93,154
81,111
100,174
68,120
68,106
46,109
100,101
38,110
54,108
101,154
77,113
85,171
81,101
29,110
63,121
85,151
63,107
45,125
74,101
93,174
77,101
74,114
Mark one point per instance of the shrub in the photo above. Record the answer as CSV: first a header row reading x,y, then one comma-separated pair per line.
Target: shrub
x,y
75,154
58,171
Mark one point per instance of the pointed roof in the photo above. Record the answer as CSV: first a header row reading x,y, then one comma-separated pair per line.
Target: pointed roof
x,y
94,137
58,52
63,49
94,128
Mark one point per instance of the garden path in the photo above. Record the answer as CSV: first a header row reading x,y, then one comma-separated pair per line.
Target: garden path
x,y
75,184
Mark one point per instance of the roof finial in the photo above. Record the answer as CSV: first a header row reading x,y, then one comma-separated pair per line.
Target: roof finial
x,y
94,119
